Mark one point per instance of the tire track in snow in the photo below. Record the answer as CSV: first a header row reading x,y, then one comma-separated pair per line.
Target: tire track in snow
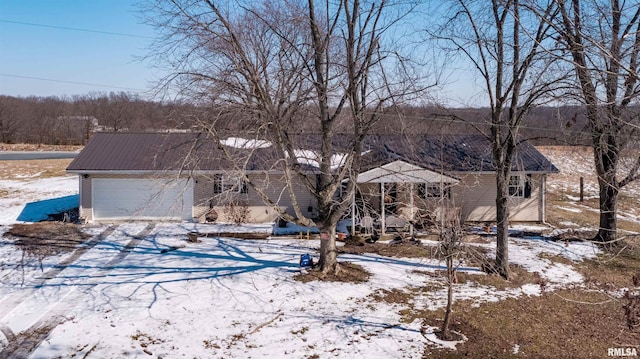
x,y
124,252
14,300
22,345
28,340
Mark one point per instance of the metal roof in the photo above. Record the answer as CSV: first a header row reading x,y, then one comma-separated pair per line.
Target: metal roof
x,y
163,152
124,151
453,153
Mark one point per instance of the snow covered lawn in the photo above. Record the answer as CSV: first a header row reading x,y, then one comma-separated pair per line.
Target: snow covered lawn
x,y
140,290
225,298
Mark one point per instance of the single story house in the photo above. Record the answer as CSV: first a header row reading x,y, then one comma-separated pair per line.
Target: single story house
x,y
188,176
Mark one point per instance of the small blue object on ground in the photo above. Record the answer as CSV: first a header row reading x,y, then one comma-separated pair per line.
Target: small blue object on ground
x,y
306,261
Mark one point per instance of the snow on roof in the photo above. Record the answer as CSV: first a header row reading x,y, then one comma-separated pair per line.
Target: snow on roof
x,y
240,142
312,158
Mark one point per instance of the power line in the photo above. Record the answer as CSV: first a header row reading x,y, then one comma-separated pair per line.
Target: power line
x,y
71,82
76,29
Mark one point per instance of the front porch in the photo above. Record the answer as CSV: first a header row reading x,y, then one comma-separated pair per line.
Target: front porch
x,y
401,196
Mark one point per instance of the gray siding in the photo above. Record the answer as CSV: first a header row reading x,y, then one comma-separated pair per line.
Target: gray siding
x,y
476,195
273,186
474,198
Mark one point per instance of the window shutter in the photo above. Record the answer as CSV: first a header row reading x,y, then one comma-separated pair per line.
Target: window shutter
x,y
527,186
217,183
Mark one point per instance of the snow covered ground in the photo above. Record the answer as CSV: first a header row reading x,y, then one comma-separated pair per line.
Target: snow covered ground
x,y
142,290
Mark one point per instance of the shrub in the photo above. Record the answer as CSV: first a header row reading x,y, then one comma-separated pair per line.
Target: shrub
x,y
236,212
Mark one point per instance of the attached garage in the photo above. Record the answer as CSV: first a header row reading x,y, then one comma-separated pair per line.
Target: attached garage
x,y
141,199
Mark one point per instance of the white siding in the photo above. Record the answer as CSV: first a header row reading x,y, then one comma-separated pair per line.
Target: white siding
x,y
273,186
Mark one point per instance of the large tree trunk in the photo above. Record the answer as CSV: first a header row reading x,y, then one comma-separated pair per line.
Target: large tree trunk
x,y
328,254
608,209
606,158
502,219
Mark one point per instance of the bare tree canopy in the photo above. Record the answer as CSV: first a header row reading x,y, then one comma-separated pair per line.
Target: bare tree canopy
x,y
601,42
503,42
280,64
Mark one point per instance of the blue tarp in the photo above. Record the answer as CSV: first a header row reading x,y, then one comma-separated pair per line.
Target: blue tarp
x,y
40,211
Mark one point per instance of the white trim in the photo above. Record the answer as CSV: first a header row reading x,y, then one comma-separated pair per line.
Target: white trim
x,y
466,173
543,199
184,173
402,172
519,187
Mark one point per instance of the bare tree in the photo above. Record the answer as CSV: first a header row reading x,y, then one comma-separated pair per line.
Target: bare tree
x,y
502,42
9,119
280,64
451,245
114,111
602,43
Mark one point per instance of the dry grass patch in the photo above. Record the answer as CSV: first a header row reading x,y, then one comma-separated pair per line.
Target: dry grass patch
x,y
43,239
472,255
556,258
557,215
37,147
588,218
31,169
517,278
628,226
393,296
613,269
347,272
401,250
565,324
586,213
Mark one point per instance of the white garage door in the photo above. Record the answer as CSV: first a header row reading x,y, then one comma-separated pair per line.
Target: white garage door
x,y
142,199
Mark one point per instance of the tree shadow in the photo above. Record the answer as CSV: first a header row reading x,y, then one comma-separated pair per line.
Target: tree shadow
x,y
114,275
376,258
148,266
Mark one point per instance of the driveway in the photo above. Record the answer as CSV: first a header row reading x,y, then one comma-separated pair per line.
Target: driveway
x,y
35,155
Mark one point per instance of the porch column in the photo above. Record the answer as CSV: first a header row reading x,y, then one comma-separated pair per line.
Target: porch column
x,y
543,199
383,225
353,213
411,209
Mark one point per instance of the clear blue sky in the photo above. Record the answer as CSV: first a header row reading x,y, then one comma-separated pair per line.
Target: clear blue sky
x,y
52,53
57,47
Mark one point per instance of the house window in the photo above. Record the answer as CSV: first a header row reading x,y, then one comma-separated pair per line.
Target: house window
x,y
222,184
433,190
516,186
520,186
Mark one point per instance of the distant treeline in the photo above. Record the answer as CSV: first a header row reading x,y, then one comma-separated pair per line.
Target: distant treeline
x,y
71,121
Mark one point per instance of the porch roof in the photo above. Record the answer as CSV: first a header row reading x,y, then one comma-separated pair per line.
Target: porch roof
x,y
402,172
